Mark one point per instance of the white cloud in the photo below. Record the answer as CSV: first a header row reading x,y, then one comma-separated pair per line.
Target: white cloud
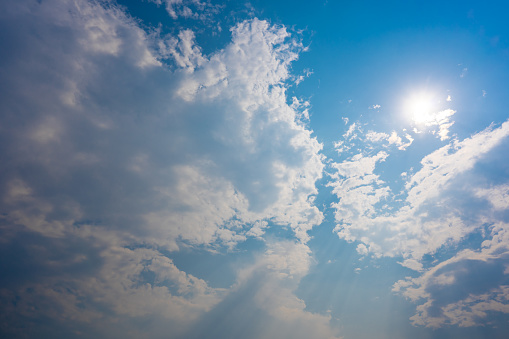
x,y
398,141
421,224
441,119
240,86
373,136
362,249
191,9
98,280
443,203
130,159
498,196
451,293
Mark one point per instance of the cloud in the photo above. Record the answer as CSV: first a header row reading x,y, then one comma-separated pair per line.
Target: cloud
x,y
123,147
464,72
189,9
449,200
396,140
91,279
227,114
416,226
263,305
441,119
462,290
355,138
373,136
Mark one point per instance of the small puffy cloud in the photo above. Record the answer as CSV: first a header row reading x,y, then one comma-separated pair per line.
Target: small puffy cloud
x,y
398,141
264,295
447,202
373,136
362,249
374,107
448,98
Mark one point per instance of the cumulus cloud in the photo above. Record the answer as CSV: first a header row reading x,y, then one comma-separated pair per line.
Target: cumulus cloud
x,y
421,223
447,200
118,160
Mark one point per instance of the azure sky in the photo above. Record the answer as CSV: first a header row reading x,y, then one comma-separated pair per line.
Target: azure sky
x,y
254,169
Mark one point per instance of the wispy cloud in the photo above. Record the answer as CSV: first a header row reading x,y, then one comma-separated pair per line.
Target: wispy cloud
x,y
415,228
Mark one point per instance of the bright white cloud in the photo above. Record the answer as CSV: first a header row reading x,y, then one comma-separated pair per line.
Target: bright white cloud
x,y
450,293
417,226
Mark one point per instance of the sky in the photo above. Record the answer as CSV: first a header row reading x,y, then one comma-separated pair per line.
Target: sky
x,y
254,169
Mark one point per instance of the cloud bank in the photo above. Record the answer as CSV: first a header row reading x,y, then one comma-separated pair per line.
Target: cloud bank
x,y
122,146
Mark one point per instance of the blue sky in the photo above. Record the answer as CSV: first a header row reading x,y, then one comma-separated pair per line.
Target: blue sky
x,y
289,169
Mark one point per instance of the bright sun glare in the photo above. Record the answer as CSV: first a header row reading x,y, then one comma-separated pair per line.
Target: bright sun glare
x,y
419,107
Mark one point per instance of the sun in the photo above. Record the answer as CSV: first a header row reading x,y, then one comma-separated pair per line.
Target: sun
x,y
419,107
